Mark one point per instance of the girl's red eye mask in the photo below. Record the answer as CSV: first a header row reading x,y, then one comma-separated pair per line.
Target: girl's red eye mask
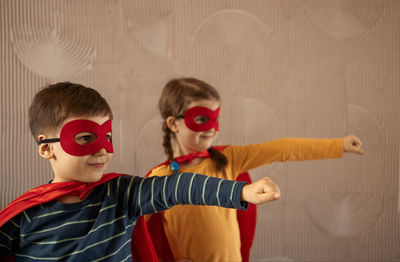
x,y
74,127
194,112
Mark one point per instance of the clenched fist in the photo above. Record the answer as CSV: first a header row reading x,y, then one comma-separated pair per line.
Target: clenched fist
x,y
261,191
352,144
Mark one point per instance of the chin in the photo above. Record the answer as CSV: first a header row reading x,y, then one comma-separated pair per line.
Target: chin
x,y
94,178
202,148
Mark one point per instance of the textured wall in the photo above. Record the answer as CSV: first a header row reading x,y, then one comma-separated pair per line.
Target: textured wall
x,y
313,68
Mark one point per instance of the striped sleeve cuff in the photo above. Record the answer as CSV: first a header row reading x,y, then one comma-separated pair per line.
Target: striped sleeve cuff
x,y
235,195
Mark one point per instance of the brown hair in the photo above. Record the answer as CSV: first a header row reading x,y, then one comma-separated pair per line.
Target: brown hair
x,y
57,102
174,101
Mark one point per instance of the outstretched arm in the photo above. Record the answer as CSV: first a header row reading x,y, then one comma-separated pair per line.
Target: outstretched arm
x,y
154,194
243,158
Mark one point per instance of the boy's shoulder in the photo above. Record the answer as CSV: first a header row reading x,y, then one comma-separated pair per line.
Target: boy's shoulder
x,y
52,206
42,195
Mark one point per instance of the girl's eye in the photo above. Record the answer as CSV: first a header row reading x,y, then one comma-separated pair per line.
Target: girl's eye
x,y
109,137
85,138
201,119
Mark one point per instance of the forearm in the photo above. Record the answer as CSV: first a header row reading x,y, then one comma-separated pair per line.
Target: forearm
x,y
298,149
285,149
187,188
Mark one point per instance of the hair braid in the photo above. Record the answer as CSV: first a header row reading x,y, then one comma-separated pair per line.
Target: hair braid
x,y
219,159
167,142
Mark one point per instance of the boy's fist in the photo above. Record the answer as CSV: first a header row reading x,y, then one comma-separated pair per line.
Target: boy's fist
x,y
261,191
351,143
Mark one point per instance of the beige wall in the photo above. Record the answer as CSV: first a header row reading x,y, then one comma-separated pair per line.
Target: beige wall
x,y
308,68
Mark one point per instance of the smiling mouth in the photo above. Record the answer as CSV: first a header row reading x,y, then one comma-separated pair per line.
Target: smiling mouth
x,y
97,165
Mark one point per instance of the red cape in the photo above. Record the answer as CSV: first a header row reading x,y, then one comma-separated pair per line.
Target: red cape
x,y
143,250
246,219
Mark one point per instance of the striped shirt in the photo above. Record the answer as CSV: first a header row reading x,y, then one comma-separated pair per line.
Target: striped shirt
x,y
100,227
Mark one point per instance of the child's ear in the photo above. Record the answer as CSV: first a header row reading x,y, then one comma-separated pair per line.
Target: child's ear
x,y
45,150
171,123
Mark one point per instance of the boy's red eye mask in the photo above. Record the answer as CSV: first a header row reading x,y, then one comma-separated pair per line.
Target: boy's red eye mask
x,y
194,112
74,127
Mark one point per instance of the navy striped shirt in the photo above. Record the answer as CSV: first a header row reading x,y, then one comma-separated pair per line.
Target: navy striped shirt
x,y
100,227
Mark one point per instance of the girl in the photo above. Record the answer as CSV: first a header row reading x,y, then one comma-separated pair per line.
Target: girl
x,y
190,108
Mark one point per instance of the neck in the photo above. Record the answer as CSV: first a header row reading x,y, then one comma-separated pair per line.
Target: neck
x,y
181,152
193,163
69,199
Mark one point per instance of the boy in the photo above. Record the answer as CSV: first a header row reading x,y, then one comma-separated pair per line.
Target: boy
x,y
84,215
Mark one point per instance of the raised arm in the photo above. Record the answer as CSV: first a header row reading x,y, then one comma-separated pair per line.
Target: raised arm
x,y
155,194
243,158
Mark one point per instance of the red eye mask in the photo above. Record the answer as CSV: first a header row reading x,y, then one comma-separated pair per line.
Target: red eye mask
x,y
194,112
74,127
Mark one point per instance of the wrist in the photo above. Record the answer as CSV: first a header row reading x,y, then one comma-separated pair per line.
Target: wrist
x,y
242,193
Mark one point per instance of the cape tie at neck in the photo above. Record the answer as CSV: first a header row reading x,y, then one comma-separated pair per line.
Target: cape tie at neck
x,y
180,159
80,190
190,157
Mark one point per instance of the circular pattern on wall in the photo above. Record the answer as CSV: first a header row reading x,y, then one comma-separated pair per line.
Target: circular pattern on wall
x,y
262,124
232,29
365,125
347,215
261,121
51,53
148,22
149,146
360,203
344,18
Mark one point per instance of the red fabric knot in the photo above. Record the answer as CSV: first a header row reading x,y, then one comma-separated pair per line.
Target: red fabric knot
x,y
81,190
190,157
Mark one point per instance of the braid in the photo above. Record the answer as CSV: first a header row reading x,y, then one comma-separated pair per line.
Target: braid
x,y
167,142
218,158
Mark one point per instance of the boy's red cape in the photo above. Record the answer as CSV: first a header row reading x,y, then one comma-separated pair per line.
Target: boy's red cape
x,y
142,246
246,218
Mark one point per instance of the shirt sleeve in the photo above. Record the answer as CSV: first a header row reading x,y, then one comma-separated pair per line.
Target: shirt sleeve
x,y
243,158
9,237
154,194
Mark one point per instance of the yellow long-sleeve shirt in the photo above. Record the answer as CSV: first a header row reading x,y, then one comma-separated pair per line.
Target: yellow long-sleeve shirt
x,y
206,233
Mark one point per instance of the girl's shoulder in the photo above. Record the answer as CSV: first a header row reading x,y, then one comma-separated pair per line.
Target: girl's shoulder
x,y
221,148
162,169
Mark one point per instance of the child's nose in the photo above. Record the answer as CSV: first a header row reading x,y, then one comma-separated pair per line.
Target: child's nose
x,y
102,151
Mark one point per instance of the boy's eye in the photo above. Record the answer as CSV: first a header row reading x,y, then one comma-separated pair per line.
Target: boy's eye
x,y
201,119
85,138
109,137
